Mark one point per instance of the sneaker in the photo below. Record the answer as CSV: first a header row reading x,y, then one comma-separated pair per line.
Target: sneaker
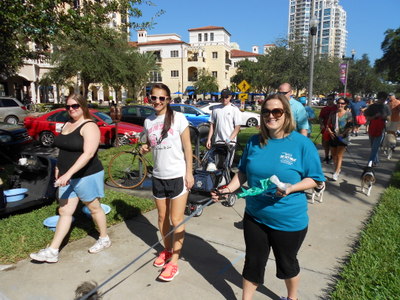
x,y
100,245
335,176
162,258
169,272
45,255
211,167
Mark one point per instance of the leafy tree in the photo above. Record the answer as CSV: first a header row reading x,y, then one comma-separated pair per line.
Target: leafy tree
x,y
362,78
42,21
390,62
206,83
326,75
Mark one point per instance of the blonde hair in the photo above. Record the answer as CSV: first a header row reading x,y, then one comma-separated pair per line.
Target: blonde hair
x,y
288,123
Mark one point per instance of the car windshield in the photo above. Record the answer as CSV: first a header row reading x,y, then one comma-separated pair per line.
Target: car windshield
x,y
104,117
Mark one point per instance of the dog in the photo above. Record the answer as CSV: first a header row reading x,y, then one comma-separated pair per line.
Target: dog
x,y
84,288
318,192
367,179
389,144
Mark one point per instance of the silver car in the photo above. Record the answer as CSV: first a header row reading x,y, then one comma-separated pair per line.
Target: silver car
x,y
12,111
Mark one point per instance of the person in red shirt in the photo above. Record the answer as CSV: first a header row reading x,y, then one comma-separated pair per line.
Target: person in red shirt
x,y
323,119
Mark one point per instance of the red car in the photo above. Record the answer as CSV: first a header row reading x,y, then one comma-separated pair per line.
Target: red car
x,y
45,127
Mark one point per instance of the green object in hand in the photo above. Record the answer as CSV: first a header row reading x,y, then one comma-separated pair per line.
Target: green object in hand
x,y
254,191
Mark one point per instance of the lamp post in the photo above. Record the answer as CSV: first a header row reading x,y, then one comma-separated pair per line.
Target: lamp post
x,y
313,32
347,60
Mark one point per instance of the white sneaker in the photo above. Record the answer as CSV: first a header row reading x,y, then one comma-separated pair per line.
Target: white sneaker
x,y
100,245
45,255
211,167
335,176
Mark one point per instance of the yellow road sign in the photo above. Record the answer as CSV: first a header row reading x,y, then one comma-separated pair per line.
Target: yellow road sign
x,y
243,96
244,86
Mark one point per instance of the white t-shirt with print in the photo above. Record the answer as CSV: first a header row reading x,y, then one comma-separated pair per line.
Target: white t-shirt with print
x,y
225,118
168,155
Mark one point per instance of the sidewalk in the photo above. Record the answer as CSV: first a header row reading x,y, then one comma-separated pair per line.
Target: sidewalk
x,y
213,252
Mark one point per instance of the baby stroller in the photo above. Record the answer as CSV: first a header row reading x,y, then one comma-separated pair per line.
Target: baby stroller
x,y
206,181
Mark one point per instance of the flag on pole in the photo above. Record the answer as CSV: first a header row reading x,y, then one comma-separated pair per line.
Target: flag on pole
x,y
343,69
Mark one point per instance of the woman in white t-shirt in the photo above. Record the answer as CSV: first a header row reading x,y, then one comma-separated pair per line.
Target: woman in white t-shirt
x,y
168,137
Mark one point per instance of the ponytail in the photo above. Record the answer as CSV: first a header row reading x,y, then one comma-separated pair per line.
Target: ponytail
x,y
168,121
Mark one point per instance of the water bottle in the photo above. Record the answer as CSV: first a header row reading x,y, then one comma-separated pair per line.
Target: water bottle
x,y
3,202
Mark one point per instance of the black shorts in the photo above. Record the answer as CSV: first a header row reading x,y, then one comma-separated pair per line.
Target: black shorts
x,y
259,240
168,188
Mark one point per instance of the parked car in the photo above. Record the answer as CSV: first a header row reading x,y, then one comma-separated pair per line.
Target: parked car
x,y
136,114
12,135
46,126
193,114
247,104
249,119
12,111
323,102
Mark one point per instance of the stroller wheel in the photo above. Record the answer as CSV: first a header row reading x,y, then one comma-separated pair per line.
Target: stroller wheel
x,y
199,211
230,201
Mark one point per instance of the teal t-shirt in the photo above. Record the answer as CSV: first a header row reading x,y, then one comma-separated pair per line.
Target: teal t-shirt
x,y
292,159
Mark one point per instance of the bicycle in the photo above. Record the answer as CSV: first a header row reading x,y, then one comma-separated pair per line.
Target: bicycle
x,y
129,168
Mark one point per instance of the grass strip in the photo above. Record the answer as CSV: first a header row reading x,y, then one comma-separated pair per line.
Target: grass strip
x,y
24,233
372,270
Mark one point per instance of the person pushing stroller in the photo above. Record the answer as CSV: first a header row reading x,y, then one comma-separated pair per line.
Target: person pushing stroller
x,y
225,125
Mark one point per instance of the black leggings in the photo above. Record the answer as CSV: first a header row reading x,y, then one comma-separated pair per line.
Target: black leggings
x,y
259,240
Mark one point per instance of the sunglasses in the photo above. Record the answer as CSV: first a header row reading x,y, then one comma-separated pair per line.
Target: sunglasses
x,y
161,98
73,106
282,93
341,103
276,112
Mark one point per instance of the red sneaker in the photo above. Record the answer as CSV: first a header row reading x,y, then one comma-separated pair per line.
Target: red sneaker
x,y
162,258
169,272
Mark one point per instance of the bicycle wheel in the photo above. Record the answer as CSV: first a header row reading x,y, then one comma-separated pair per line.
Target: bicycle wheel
x,y
127,170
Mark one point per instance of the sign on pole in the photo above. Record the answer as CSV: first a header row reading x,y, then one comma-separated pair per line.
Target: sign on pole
x,y
243,96
244,86
343,68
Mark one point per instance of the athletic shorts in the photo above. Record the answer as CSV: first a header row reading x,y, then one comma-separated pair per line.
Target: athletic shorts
x,y
87,188
168,188
393,126
259,240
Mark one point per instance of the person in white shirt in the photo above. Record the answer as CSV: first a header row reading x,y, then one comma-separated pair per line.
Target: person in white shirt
x,y
225,123
168,137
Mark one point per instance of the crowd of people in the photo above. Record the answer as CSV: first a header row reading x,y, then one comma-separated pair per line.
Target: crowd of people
x,y
275,219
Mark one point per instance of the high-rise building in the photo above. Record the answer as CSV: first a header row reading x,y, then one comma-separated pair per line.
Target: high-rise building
x,y
331,33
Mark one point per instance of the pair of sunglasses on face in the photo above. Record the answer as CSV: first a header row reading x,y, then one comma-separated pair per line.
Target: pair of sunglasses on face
x,y
276,112
73,106
161,98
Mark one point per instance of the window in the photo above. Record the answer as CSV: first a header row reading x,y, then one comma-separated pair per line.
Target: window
x,y
327,12
174,73
189,110
155,76
215,55
214,74
199,37
325,32
206,37
326,24
8,103
212,36
174,53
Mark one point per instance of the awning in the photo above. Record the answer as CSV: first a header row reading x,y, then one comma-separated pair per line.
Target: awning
x,y
178,93
190,88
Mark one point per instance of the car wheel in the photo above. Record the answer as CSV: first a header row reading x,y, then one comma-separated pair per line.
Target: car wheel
x,y
46,138
251,122
11,120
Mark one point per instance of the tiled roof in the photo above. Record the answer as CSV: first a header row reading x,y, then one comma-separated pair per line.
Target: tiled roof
x,y
160,42
240,53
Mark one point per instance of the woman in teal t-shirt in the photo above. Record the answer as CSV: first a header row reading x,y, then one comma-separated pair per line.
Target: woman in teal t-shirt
x,y
277,218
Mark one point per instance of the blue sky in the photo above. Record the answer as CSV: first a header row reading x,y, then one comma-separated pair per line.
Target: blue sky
x,y
259,22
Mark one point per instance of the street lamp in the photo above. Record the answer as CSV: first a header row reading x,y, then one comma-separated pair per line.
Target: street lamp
x,y
313,32
347,60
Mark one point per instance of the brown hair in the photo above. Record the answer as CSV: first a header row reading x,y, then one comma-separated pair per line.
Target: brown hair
x,y
82,102
288,124
169,115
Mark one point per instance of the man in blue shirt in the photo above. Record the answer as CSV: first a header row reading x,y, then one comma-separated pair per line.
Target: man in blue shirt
x,y
357,107
298,111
